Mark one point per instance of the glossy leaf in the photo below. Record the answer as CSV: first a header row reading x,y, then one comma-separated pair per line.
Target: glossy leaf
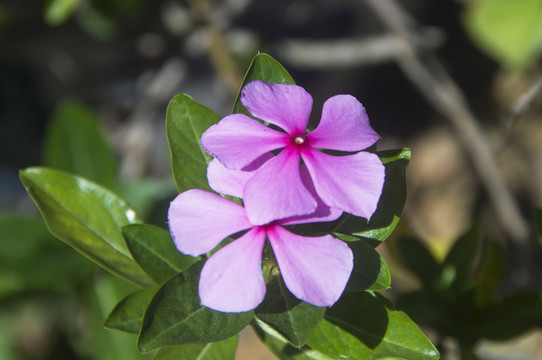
x,y
221,350
390,206
153,249
128,313
75,143
263,67
370,270
509,31
365,326
175,316
418,259
186,121
87,217
290,316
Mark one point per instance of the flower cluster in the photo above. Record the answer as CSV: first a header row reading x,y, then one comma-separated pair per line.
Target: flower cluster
x,y
284,177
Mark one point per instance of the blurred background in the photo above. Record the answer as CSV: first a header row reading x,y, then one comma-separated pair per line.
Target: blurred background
x,y
457,81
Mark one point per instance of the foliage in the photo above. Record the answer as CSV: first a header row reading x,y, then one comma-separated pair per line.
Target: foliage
x,y
166,313
459,297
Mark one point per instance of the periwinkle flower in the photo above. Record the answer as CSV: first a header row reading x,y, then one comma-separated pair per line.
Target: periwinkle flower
x,y
315,269
352,183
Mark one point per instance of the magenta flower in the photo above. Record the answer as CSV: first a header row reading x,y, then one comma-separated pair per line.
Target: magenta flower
x,y
352,183
315,269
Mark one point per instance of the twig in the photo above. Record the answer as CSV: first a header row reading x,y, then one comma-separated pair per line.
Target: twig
x,y
443,94
349,52
217,50
520,106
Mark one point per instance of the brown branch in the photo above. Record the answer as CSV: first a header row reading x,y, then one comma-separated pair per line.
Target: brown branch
x,y
444,95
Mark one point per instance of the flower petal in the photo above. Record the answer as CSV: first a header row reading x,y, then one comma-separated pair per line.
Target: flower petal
x,y
238,140
200,220
344,126
231,182
352,183
315,269
323,213
232,280
287,106
276,190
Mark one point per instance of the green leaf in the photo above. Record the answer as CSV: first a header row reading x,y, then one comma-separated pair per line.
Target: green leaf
x,y
365,326
58,11
488,276
508,30
461,259
263,67
128,313
175,316
282,348
417,257
510,317
538,222
74,143
87,217
290,316
33,260
390,206
370,270
221,350
153,249
186,121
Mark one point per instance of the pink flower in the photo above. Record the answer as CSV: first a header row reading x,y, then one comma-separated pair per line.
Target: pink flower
x,y
352,183
315,269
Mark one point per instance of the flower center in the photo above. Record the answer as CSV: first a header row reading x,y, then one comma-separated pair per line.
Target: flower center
x,y
299,140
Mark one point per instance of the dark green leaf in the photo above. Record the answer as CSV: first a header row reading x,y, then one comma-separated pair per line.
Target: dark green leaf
x,y
418,259
461,258
282,348
290,316
74,142
263,67
538,223
153,249
186,121
87,217
175,316
222,350
370,270
128,313
365,326
489,274
510,317
390,205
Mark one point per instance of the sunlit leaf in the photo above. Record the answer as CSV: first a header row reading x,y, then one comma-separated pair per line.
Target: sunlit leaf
x,y
508,30
153,249
175,316
263,67
365,326
186,121
87,217
370,270
221,350
58,11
